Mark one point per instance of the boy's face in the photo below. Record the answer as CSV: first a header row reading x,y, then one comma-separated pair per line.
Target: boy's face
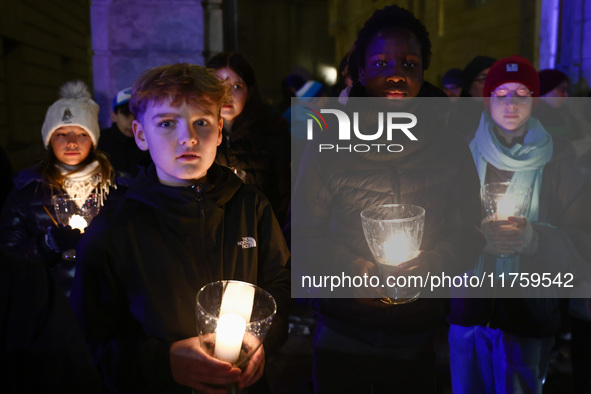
x,y
123,118
510,108
71,144
182,140
393,65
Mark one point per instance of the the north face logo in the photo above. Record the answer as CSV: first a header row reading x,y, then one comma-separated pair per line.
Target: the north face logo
x,y
512,67
247,242
67,115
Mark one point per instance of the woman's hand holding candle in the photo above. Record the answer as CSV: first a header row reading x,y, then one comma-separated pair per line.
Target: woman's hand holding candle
x,y
511,236
361,267
416,266
526,234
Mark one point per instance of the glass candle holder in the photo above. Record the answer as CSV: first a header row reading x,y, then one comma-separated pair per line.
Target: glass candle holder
x,y
233,319
503,199
394,233
75,212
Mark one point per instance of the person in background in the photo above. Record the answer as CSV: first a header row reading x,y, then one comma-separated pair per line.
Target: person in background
x,y
289,85
182,224
466,114
551,111
306,95
117,141
474,75
256,142
505,345
452,83
362,345
73,166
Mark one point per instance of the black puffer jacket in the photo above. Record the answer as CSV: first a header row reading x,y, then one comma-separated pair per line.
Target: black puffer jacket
x,y
261,148
436,172
25,222
142,262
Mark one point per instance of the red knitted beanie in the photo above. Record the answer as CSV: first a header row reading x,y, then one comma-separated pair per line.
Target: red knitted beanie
x,y
511,69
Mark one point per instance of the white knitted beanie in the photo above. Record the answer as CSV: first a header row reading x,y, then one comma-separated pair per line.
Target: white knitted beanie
x,y
74,108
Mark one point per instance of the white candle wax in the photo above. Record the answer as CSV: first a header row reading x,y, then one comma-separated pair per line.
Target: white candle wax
x,y
397,249
77,221
229,336
238,298
505,208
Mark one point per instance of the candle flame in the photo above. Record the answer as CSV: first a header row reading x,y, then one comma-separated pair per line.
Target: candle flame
x,y
397,249
78,222
505,207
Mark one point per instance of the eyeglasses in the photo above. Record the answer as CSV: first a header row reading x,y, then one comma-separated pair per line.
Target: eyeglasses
x,y
519,96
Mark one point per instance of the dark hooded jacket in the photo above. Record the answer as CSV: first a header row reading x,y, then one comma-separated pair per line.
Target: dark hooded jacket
x,y
436,172
260,147
142,263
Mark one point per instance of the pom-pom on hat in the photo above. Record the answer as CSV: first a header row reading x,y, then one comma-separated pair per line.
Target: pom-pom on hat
x,y
512,69
550,79
74,108
122,97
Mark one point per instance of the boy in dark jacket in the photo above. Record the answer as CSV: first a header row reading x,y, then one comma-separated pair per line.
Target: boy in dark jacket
x,y
362,345
180,227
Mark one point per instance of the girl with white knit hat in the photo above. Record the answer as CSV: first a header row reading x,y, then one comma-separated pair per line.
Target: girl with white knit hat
x,y
74,167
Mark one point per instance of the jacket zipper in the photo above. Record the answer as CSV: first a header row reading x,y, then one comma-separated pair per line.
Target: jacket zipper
x,y
199,198
395,182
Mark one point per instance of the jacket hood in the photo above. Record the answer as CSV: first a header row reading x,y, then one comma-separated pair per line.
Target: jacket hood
x,y
221,186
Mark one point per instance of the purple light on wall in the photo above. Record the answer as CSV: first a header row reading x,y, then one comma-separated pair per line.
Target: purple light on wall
x,y
549,33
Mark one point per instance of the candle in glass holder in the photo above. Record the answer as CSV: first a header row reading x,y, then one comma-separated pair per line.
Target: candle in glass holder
x,y
229,336
397,249
238,298
505,208
78,222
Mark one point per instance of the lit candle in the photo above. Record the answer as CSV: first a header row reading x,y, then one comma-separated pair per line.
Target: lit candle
x,y
505,208
397,249
229,336
238,298
77,221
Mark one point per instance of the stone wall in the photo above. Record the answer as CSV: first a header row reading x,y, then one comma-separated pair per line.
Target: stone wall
x,y
130,36
42,45
459,29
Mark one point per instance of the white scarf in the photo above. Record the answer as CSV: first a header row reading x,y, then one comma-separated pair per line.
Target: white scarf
x,y
85,181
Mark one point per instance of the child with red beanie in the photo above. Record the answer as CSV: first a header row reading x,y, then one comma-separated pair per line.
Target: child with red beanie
x,y
504,345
